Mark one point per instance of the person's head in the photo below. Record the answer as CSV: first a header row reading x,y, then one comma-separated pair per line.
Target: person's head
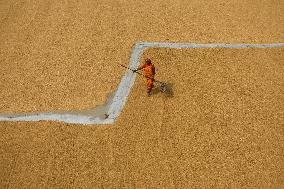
x,y
148,61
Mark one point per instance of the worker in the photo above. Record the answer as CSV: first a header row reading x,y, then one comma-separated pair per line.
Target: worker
x,y
149,73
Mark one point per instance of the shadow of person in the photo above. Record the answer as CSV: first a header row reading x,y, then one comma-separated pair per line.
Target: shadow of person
x,y
169,93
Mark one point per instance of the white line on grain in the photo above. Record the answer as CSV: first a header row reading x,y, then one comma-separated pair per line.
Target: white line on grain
x,y
117,103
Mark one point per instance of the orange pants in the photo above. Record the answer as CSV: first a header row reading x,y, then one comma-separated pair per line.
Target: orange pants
x,y
150,84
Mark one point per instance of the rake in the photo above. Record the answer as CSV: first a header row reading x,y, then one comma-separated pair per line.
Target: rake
x,y
163,85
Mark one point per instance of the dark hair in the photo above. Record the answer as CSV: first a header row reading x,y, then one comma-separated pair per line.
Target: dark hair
x,y
147,60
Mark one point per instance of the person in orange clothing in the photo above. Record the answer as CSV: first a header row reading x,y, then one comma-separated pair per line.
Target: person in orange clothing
x,y
149,72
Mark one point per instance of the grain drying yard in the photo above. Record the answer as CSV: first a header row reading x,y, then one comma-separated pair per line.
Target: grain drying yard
x,y
221,125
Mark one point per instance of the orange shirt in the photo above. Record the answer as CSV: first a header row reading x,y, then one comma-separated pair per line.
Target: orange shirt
x,y
149,70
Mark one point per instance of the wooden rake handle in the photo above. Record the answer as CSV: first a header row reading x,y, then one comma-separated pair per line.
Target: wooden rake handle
x,y
142,74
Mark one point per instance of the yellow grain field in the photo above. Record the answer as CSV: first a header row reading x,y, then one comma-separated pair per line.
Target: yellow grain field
x,y
220,127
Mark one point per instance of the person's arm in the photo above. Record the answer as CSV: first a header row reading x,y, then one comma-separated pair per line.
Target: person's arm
x,y
139,68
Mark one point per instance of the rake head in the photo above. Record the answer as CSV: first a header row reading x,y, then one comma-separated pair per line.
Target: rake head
x,y
163,87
